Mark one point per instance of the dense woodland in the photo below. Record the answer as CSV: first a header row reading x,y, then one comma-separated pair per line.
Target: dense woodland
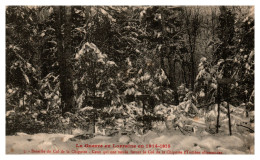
x,y
128,68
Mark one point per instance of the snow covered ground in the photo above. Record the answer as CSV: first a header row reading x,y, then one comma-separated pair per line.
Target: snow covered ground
x,y
174,143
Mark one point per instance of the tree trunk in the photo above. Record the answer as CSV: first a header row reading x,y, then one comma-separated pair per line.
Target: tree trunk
x,y
63,16
218,101
171,72
184,74
229,119
192,70
192,24
173,80
165,52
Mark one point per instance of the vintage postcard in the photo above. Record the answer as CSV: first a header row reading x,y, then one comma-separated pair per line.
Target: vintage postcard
x,y
173,80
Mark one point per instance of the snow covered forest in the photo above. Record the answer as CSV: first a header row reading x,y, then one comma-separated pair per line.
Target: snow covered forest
x,y
176,75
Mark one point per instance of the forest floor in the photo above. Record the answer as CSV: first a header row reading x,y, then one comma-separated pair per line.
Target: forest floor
x,y
203,143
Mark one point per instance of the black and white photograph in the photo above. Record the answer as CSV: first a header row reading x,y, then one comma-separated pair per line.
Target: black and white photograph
x,y
126,79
